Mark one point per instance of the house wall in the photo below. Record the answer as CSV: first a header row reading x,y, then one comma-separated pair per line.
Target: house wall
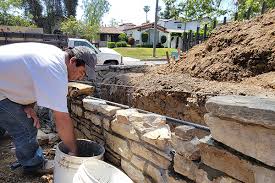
x,y
149,150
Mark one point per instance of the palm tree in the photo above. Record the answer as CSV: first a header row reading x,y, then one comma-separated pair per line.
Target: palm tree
x,y
146,10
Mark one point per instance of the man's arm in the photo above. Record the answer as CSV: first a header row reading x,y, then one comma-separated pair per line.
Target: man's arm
x,y
65,130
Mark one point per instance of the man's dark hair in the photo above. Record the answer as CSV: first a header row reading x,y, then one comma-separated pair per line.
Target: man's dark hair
x,y
79,62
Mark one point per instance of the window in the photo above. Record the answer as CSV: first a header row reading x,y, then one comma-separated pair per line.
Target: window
x,y
81,43
103,37
179,26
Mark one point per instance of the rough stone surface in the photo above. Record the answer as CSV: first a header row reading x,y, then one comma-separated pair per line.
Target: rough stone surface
x,y
248,109
157,174
112,157
255,141
138,162
123,115
135,174
92,105
124,129
106,124
95,119
185,167
118,145
151,156
79,134
42,137
53,138
76,110
234,165
202,177
159,137
188,149
189,132
99,106
173,179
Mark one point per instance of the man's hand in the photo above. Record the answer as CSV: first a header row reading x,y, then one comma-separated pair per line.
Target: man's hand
x,y
31,114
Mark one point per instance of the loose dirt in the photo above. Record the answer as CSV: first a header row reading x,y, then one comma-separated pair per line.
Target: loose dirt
x,y
7,158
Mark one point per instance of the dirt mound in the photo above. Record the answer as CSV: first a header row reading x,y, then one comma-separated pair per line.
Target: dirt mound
x,y
235,51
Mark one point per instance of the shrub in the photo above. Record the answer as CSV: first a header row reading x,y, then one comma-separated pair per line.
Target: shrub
x,y
131,41
121,44
138,45
144,37
123,37
163,39
111,44
147,46
159,45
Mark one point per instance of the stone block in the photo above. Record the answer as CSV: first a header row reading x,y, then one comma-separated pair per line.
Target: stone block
x,y
79,134
95,119
234,165
188,149
122,116
185,167
174,178
77,110
76,89
100,106
111,158
149,155
157,174
124,129
135,174
42,137
106,124
248,109
252,140
118,145
189,132
159,137
138,162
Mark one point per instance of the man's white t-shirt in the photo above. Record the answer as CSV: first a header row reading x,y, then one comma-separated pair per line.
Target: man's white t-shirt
x,y
34,72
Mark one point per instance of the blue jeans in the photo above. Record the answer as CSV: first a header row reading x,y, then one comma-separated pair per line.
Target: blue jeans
x,y
14,120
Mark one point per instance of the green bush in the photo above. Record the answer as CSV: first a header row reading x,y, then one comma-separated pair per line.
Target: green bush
x,y
144,37
131,41
147,46
123,37
111,44
121,44
138,45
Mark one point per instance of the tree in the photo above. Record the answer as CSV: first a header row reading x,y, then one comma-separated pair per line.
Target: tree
x,y
70,7
8,9
146,10
192,9
123,37
255,5
72,27
93,13
114,22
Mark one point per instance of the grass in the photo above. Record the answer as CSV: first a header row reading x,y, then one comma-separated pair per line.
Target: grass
x,y
144,53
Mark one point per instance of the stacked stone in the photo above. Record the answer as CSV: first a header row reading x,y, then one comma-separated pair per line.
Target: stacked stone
x,y
243,138
138,143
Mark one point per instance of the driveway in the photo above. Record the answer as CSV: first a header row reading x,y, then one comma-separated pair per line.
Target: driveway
x,y
134,61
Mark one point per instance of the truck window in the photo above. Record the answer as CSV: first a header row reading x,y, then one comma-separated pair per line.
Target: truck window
x,y
83,43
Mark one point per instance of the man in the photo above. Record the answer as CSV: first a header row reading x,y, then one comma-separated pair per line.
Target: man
x,y
36,72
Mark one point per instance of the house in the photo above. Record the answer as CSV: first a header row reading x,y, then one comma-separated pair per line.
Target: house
x,y
167,27
108,34
136,32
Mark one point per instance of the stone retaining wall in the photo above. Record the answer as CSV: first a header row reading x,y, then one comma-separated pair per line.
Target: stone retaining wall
x,y
147,150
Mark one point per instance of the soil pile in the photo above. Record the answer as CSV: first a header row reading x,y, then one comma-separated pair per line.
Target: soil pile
x,y
234,51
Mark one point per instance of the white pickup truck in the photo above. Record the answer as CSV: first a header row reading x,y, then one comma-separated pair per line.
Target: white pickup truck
x,y
105,56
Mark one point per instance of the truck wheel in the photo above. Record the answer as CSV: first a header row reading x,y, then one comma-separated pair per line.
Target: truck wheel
x,y
2,132
112,62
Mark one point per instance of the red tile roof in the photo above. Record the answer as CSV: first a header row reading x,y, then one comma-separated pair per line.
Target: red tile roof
x,y
110,30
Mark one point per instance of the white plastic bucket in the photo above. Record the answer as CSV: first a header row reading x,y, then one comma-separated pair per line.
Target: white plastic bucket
x,y
66,166
97,171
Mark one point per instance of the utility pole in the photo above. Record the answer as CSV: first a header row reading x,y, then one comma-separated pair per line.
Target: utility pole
x,y
155,29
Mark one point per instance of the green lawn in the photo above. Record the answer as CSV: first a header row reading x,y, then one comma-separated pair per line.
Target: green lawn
x,y
144,53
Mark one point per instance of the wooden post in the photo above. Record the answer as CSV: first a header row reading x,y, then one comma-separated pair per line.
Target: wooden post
x,y
215,23
205,32
236,16
167,57
248,13
264,7
224,20
184,41
198,35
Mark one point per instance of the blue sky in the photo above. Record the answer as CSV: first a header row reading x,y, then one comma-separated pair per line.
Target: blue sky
x,y
131,11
